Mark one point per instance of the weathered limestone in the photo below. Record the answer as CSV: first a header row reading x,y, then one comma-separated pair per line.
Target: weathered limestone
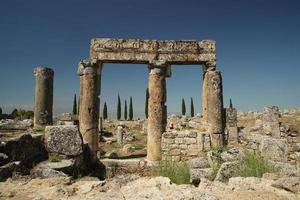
x,y
89,103
43,101
212,106
231,124
274,149
64,140
156,112
160,55
180,145
271,121
145,51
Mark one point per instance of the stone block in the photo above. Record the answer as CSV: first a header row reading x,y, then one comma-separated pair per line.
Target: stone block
x,y
178,140
274,149
190,140
64,139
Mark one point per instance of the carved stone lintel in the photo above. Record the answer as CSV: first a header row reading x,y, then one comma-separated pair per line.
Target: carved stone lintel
x,y
145,51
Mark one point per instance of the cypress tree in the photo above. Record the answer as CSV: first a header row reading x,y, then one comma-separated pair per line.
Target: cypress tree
x,y
105,111
0,111
192,107
125,110
75,105
230,104
119,108
130,109
146,103
183,107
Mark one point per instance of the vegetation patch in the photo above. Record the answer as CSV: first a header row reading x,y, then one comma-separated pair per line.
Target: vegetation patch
x,y
177,172
54,158
254,165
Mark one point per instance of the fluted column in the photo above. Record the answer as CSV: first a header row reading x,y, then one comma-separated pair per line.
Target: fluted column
x,y
156,110
89,103
43,101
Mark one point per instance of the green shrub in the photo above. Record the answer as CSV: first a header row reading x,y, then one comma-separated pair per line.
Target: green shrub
x,y
177,172
254,165
54,158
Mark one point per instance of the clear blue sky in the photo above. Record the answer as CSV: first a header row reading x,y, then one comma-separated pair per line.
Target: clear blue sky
x,y
258,48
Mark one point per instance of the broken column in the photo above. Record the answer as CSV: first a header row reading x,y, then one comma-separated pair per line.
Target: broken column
x,y
89,103
231,123
270,121
43,101
212,106
156,110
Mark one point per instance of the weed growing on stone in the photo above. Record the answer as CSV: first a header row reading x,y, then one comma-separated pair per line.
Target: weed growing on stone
x,y
254,165
54,158
177,172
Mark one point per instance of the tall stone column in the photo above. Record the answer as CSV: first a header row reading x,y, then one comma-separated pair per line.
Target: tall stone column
x,y
212,106
156,111
89,103
43,101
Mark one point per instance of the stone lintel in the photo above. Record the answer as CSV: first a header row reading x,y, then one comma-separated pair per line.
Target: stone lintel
x,y
145,51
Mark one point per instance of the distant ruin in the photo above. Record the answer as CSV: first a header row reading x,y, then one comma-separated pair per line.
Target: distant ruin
x,y
159,56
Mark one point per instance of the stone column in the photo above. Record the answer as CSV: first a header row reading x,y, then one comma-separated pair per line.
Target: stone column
x,y
89,103
212,106
43,101
231,124
156,111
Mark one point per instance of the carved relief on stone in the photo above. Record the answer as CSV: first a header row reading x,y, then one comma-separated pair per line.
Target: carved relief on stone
x,y
124,44
172,46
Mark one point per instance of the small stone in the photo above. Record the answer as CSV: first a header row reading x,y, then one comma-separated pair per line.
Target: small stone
x,y
226,171
111,154
199,163
198,174
291,184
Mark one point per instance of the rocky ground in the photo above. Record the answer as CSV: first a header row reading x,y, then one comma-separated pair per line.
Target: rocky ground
x,y
135,187
29,173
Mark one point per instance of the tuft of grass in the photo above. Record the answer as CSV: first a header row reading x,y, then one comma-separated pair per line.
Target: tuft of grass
x,y
39,129
254,165
114,167
177,172
54,158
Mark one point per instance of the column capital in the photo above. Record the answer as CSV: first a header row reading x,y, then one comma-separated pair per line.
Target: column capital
x,y
160,67
209,66
85,67
43,71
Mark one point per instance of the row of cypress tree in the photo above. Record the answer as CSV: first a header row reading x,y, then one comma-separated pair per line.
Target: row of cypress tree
x,y
130,117
183,107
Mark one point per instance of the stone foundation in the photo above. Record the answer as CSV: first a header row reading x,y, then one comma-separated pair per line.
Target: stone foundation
x,y
184,145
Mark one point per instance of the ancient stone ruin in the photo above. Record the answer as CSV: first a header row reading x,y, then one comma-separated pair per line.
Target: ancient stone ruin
x,y
159,55
43,101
